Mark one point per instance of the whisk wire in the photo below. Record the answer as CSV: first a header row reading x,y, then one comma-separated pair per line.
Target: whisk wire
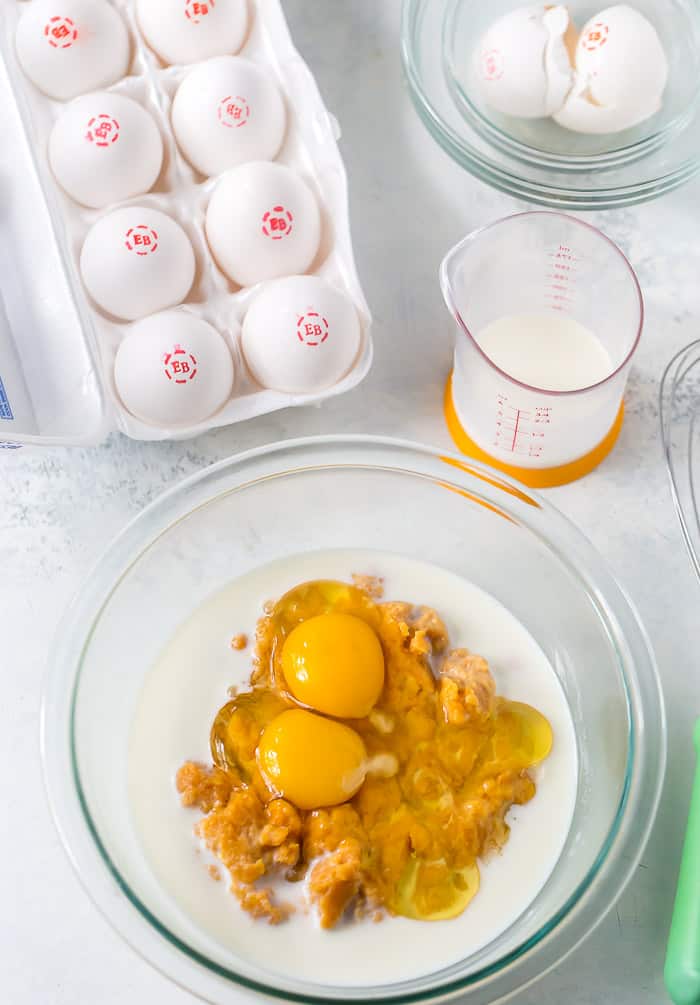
x,y
678,417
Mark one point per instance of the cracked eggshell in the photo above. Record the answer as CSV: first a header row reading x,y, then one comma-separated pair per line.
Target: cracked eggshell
x,y
523,62
621,73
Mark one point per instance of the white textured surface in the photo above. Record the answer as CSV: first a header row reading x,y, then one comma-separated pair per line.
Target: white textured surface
x,y
58,510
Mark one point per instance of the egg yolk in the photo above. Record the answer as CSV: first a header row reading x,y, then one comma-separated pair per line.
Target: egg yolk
x,y
334,663
311,761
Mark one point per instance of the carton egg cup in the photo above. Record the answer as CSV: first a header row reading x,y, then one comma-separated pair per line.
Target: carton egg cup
x,y
75,340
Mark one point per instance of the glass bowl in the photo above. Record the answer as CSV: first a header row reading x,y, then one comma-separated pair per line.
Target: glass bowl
x,y
353,492
535,159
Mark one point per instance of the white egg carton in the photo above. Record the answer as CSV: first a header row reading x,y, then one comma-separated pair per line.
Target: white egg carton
x,y
56,348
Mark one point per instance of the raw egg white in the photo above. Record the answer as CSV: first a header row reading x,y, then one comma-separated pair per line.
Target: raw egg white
x,y
173,369
68,47
263,221
105,148
228,111
137,261
300,335
186,31
523,63
297,739
621,73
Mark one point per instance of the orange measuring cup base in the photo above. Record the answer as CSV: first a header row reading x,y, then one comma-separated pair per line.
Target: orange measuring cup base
x,y
536,478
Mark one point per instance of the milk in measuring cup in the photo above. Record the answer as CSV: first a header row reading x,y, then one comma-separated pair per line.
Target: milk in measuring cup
x,y
541,395
550,352
548,314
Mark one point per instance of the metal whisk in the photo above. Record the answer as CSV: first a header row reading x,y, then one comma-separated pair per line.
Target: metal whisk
x,y
680,434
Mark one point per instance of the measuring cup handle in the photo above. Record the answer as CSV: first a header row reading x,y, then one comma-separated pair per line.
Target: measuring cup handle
x,y
682,972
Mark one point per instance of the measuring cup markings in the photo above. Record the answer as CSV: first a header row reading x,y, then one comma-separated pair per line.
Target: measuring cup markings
x,y
560,281
521,431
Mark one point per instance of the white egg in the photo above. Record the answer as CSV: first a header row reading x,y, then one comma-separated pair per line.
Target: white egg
x,y
105,148
523,64
187,31
137,261
621,73
173,369
68,47
228,111
263,221
300,335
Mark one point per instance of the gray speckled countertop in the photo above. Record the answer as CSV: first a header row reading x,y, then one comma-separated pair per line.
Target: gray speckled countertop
x,y
59,509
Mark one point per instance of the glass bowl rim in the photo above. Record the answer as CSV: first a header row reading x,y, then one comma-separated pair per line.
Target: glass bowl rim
x,y
484,167
80,836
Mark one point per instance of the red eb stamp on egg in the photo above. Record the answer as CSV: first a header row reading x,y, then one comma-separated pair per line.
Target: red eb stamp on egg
x,y
179,366
195,10
596,36
102,130
61,32
492,64
312,329
277,223
233,111
142,240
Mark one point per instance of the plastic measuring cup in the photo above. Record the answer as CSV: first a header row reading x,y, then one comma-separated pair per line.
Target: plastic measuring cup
x,y
538,263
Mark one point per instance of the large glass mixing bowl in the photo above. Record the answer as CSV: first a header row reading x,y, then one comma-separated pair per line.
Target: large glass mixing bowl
x,y
353,492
